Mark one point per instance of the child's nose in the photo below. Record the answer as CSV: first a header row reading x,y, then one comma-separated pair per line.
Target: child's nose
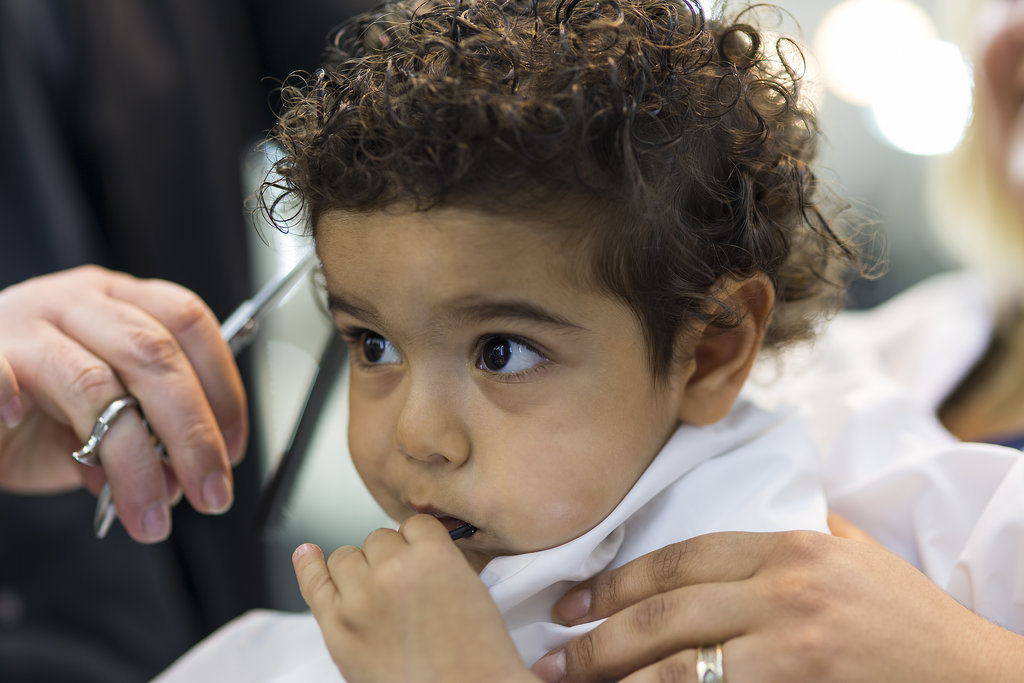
x,y
430,425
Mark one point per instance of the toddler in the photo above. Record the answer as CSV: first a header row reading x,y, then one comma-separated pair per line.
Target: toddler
x,y
555,235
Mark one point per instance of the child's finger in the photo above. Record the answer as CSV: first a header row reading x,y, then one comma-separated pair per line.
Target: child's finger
x,y
314,579
382,544
423,528
844,528
346,563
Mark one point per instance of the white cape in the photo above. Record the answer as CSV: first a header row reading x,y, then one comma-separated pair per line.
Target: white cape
x,y
754,471
870,388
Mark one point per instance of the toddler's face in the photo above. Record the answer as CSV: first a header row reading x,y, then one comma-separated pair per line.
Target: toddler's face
x,y
486,387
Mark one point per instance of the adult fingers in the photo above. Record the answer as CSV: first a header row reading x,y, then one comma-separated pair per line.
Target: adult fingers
x,y
652,630
197,332
74,386
136,476
147,359
740,664
10,396
726,556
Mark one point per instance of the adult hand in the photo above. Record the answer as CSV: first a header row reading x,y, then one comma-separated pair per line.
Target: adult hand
x,y
790,606
74,341
407,607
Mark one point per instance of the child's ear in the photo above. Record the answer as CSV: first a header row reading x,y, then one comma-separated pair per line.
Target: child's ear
x,y
721,357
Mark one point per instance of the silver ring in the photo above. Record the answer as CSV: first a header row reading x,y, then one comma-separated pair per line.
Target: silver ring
x,y
709,665
89,453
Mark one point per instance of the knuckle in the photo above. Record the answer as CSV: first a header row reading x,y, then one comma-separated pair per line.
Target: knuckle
x,y
798,591
674,670
189,311
395,574
154,350
340,555
378,535
581,654
318,585
667,565
610,588
93,381
651,615
197,437
806,546
90,270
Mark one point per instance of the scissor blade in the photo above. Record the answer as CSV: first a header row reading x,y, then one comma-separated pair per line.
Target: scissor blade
x,y
237,330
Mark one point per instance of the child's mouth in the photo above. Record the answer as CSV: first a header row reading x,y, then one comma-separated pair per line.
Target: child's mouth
x,y
456,528
466,529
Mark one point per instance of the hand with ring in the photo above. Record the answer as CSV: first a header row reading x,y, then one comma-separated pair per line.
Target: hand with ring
x,y
88,342
786,606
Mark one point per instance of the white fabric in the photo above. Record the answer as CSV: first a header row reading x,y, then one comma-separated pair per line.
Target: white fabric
x,y
754,471
869,389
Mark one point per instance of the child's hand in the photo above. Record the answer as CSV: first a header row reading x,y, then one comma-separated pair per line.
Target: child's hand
x,y
407,607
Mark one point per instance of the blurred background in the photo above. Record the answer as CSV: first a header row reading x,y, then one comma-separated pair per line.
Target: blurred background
x,y
893,93
131,133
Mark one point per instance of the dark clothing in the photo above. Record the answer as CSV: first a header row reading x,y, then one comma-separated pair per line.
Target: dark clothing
x,y
122,126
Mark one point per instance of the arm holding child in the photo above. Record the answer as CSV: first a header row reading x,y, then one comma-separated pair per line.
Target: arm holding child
x,y
791,606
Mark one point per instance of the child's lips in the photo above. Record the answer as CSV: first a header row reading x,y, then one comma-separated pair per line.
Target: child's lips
x,y
451,523
447,520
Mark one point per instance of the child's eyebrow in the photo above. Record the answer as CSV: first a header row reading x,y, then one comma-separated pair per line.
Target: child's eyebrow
x,y
469,312
361,311
483,311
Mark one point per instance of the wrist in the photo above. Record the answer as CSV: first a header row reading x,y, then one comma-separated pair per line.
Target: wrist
x,y
1000,655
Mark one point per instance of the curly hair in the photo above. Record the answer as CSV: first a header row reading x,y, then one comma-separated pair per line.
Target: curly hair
x,y
676,144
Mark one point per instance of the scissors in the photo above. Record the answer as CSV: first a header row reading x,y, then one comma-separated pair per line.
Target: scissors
x,y
238,330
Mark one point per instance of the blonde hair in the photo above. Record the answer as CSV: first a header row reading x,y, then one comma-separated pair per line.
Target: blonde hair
x,y
973,210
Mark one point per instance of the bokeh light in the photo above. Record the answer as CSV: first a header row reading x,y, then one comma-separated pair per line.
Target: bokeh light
x,y
885,55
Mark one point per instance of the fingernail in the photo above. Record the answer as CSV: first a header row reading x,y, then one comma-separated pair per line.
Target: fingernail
x,y
12,413
217,492
234,441
574,606
304,549
174,494
156,522
551,667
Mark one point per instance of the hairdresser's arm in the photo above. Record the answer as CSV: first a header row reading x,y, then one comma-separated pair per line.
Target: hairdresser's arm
x,y
793,606
72,342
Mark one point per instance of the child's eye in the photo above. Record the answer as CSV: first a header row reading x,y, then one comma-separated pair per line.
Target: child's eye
x,y
508,355
376,350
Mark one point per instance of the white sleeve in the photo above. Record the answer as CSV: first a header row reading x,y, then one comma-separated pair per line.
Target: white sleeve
x,y
989,573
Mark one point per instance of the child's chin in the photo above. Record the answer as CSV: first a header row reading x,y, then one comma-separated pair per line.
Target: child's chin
x,y
477,559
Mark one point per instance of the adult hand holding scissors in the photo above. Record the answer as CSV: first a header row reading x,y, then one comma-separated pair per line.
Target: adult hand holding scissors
x,y
75,342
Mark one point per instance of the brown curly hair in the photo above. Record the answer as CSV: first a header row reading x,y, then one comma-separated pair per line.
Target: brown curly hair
x,y
677,145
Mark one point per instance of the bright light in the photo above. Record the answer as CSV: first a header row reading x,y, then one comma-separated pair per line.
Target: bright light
x,y
884,55
860,41
928,103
